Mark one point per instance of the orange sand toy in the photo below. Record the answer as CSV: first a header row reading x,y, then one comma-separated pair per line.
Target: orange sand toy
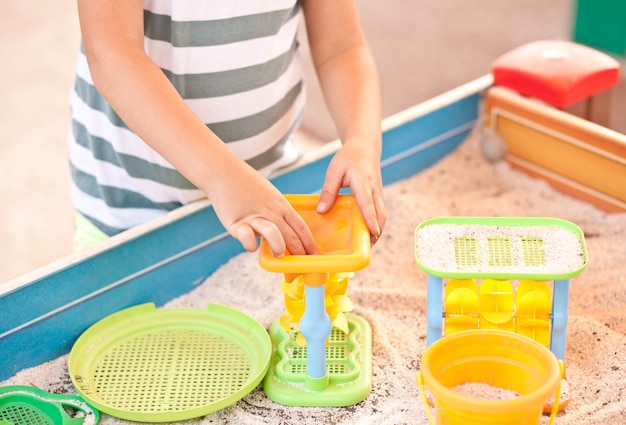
x,y
334,368
340,234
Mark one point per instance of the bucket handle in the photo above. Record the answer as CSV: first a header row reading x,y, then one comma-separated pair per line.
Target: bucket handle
x,y
557,396
420,385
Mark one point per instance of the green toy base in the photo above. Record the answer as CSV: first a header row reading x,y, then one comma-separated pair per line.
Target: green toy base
x,y
348,366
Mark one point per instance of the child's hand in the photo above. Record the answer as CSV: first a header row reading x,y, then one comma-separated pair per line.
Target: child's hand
x,y
249,206
356,166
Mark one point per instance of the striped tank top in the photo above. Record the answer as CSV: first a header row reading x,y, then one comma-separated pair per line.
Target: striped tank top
x,y
236,64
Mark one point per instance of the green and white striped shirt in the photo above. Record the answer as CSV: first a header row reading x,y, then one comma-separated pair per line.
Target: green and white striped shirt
x,y
236,65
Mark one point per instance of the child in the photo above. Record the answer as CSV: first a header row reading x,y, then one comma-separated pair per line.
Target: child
x,y
176,100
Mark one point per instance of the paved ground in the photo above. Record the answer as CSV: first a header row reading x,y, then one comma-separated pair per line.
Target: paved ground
x,y
422,48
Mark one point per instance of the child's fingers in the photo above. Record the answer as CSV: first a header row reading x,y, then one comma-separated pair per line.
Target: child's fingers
x,y
369,197
380,216
247,232
298,236
272,234
330,189
246,236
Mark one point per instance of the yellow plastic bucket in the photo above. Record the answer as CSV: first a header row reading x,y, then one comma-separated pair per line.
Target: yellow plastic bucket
x,y
498,358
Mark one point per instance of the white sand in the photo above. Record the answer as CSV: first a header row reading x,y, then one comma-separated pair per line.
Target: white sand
x,y
485,391
391,295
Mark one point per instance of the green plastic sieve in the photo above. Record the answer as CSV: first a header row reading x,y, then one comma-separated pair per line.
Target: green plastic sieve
x,y
25,405
160,365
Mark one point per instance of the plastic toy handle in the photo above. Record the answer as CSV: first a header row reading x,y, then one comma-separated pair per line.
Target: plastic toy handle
x,y
77,420
557,396
420,385
316,326
63,401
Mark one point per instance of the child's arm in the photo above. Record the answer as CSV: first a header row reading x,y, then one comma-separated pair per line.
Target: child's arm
x,y
349,80
247,204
